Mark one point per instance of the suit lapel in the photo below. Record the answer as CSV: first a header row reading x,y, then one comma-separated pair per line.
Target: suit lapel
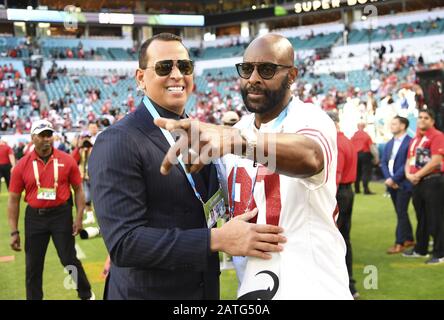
x,y
402,146
145,123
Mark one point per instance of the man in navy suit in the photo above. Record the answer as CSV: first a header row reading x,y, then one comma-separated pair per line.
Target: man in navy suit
x,y
154,226
400,189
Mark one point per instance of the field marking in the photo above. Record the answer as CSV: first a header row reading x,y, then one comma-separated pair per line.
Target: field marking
x,y
7,258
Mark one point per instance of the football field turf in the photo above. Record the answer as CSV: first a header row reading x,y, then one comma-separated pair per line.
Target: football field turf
x,y
378,275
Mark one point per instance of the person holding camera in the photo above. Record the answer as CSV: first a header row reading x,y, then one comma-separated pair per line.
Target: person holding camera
x,y
81,154
47,175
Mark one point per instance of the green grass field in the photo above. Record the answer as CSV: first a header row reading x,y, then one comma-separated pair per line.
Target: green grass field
x,y
373,228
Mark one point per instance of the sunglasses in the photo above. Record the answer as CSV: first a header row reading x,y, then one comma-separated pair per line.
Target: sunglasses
x,y
266,70
46,133
164,67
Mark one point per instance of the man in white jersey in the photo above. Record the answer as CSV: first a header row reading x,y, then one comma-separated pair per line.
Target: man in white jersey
x,y
282,160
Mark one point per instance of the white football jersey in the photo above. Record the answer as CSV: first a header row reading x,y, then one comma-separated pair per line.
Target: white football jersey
x,y
312,264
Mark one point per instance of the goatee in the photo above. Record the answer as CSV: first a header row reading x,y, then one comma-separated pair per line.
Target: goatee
x,y
272,98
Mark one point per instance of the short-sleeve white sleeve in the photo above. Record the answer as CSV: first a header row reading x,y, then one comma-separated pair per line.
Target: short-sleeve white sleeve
x,y
315,124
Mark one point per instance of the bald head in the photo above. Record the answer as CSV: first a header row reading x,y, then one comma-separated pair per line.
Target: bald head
x,y
273,45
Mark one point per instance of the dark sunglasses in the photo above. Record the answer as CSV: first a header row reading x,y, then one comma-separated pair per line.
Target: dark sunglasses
x,y
266,70
164,67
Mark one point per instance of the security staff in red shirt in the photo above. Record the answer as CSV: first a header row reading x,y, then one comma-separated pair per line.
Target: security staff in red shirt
x,y
46,175
345,177
424,169
363,144
7,161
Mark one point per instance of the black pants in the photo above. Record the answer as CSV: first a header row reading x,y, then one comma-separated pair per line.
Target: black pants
x,y
428,200
364,171
401,199
345,197
5,172
38,229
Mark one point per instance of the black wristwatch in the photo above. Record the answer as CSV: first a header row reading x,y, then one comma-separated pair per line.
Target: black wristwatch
x,y
13,233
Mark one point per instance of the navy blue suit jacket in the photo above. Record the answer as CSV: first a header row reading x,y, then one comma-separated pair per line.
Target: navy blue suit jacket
x,y
399,165
153,225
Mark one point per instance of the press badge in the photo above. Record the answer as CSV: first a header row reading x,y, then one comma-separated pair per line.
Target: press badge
x,y
214,208
46,193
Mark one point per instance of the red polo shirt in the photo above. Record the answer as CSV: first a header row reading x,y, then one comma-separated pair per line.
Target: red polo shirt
x,y
5,151
362,141
347,161
432,141
23,178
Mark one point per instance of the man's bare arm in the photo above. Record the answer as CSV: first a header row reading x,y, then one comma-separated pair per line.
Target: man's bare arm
x,y
13,216
290,154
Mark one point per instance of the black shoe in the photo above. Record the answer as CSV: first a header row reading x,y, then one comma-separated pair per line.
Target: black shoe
x,y
413,254
353,291
92,296
369,192
435,261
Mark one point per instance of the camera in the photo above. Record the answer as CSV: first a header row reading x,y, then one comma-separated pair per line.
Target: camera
x,y
87,144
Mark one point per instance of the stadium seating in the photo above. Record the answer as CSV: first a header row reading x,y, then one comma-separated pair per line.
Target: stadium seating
x,y
16,64
344,68
399,31
77,87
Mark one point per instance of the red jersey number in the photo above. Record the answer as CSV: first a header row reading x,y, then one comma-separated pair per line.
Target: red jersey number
x,y
272,193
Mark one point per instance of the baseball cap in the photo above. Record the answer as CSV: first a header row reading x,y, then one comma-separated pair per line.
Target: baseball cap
x,y
230,117
40,126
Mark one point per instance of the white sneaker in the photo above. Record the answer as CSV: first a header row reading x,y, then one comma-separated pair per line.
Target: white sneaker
x,y
89,218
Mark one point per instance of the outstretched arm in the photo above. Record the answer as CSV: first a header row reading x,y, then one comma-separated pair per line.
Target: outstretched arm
x,y
291,154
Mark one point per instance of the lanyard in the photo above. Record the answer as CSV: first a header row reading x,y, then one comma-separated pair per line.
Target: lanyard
x,y
275,126
56,172
415,145
171,141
